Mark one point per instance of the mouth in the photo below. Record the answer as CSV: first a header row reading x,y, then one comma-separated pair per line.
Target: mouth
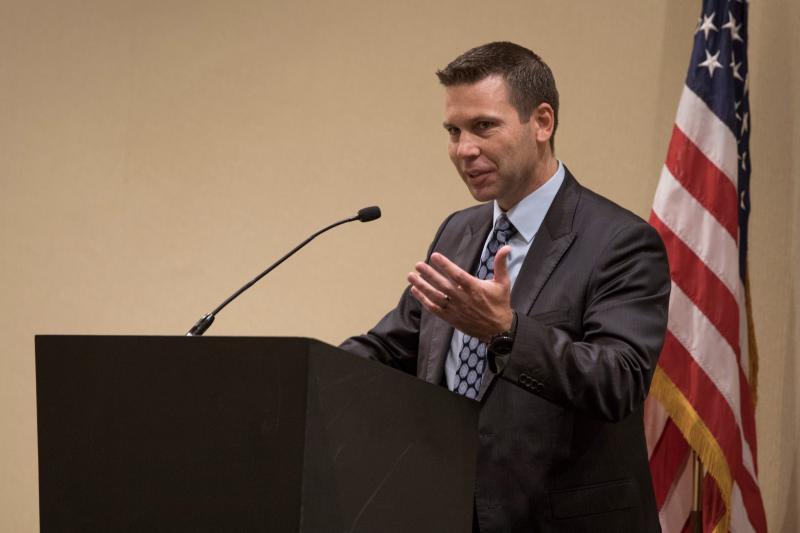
x,y
477,178
478,173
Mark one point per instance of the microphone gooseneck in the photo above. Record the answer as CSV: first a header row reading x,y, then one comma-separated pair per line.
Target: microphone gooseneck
x,y
366,214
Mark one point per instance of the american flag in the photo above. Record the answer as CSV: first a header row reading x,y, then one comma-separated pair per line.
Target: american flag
x,y
702,396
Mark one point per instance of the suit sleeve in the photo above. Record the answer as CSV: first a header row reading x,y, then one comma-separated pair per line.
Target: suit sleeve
x,y
607,372
395,339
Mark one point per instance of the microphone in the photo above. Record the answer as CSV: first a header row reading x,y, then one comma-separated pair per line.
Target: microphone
x,y
366,214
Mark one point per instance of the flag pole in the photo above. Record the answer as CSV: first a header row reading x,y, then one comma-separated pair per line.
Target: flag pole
x,y
696,516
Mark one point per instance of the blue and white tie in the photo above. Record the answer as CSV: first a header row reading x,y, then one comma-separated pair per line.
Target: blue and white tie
x,y
472,355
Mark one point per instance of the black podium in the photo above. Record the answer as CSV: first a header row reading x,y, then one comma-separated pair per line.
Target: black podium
x,y
230,434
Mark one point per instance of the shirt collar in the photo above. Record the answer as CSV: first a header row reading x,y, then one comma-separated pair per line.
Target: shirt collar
x,y
528,214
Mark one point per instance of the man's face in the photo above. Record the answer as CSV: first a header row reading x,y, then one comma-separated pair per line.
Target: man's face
x,y
495,154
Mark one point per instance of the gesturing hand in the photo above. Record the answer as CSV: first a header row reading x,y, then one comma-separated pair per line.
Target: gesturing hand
x,y
480,308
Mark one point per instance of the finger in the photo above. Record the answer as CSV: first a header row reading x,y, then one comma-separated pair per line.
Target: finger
x,y
430,292
501,266
451,270
436,279
426,302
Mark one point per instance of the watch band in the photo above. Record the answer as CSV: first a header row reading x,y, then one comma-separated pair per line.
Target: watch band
x,y
500,345
510,333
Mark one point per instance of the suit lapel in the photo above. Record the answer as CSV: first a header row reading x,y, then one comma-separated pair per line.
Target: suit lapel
x,y
466,257
540,262
551,242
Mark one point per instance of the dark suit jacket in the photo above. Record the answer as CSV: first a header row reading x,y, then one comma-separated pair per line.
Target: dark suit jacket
x,y
561,436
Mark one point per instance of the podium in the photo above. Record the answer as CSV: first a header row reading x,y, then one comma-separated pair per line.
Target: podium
x,y
245,434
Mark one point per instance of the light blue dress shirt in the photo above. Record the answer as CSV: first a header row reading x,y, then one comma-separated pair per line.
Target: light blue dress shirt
x,y
527,217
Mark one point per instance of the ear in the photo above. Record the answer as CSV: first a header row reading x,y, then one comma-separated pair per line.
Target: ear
x,y
544,118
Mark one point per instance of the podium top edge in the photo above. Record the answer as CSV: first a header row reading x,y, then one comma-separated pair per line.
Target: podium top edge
x,y
147,336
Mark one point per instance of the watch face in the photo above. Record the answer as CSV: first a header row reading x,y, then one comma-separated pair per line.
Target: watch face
x,y
501,345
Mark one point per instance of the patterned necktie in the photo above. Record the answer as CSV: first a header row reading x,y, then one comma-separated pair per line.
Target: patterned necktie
x,y
472,356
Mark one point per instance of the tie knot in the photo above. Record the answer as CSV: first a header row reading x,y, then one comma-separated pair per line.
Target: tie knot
x,y
503,229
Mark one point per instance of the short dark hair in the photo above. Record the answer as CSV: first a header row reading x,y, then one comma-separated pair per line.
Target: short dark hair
x,y
529,79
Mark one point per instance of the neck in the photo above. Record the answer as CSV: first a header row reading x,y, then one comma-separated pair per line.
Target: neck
x,y
543,172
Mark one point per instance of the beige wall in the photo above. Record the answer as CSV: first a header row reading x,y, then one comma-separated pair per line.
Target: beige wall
x,y
775,252
156,154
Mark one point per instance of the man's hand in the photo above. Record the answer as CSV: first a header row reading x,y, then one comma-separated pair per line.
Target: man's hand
x,y
480,308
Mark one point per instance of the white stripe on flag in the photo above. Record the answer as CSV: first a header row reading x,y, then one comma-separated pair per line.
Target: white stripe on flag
x,y
744,341
708,133
698,229
676,508
713,355
707,347
655,419
740,522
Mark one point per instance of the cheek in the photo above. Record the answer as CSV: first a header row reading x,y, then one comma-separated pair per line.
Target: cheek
x,y
452,150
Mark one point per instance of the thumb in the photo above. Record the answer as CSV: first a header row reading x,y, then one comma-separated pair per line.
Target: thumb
x,y
501,266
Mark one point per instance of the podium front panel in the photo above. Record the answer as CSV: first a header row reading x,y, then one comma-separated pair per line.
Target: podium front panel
x,y
210,434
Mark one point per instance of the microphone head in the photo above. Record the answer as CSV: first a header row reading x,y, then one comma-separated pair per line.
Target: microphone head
x,y
369,214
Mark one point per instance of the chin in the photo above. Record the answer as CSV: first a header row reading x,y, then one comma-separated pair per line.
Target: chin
x,y
483,195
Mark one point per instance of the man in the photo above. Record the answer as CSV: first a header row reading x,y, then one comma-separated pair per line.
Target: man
x,y
548,304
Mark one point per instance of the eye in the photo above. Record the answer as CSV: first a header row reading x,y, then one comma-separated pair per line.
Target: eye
x,y
483,125
453,131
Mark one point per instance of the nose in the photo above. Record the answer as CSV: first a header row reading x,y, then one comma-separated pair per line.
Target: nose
x,y
466,147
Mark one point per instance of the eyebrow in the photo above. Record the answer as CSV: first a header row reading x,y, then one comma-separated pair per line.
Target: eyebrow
x,y
485,118
480,118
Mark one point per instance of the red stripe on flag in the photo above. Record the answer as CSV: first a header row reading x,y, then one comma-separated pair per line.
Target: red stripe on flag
x,y
707,183
713,504
748,416
753,505
688,527
701,285
667,460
